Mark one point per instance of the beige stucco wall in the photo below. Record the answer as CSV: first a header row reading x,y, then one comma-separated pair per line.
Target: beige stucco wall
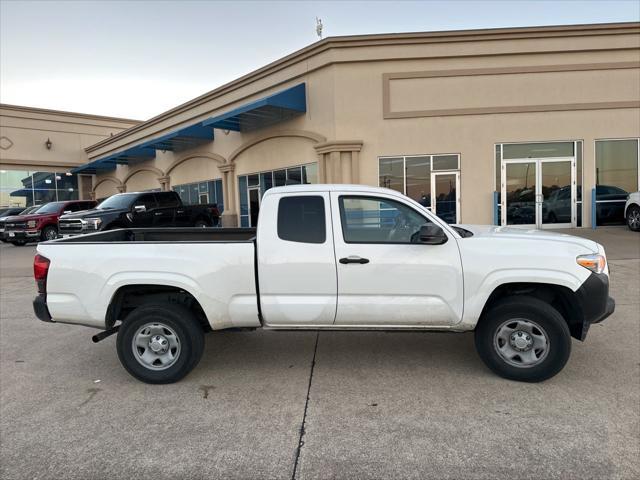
x,y
24,132
402,96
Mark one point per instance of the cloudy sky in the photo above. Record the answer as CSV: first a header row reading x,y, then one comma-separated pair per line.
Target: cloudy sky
x,y
136,59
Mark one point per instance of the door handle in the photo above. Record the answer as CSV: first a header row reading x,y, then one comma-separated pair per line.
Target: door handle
x,y
180,211
158,214
354,259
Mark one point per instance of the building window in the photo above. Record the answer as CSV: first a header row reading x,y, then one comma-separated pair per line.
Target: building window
x,y
417,175
617,172
22,188
198,193
251,187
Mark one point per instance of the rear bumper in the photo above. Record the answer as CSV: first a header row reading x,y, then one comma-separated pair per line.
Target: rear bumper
x,y
596,303
40,308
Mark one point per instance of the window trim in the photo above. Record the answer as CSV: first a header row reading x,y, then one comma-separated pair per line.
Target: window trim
x,y
341,212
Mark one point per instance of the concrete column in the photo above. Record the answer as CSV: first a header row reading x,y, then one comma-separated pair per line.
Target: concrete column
x,y
334,167
338,161
122,188
229,217
355,166
322,169
345,166
165,183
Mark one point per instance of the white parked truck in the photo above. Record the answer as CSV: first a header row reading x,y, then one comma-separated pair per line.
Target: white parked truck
x,y
328,257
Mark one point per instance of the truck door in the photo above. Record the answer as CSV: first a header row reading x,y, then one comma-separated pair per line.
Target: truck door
x,y
163,215
386,277
143,209
296,262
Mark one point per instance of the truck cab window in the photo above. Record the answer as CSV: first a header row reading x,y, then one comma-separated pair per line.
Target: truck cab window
x,y
167,199
302,219
379,220
147,200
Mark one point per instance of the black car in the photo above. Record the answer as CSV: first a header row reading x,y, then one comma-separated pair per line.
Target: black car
x,y
139,210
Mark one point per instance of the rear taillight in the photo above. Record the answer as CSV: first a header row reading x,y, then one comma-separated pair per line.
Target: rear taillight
x,y
40,271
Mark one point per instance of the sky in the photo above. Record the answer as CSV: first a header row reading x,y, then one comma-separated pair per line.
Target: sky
x,y
137,59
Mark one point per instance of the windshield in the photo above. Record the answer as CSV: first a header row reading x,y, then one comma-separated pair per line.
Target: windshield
x,y
52,207
121,200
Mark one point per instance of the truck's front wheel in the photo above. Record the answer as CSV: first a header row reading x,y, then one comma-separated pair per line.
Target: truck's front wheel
x,y
160,343
523,338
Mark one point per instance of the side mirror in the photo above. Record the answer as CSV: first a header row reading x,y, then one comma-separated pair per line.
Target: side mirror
x,y
140,208
432,235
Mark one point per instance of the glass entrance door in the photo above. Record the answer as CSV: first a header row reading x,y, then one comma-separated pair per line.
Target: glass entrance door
x,y
539,193
445,195
557,193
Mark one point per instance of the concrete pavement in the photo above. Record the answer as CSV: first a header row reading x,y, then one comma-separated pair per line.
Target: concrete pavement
x,y
374,405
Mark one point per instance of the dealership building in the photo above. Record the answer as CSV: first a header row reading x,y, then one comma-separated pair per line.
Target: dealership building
x,y
533,126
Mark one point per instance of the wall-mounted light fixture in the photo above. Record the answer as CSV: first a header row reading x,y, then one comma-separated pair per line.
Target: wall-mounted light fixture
x,y
48,144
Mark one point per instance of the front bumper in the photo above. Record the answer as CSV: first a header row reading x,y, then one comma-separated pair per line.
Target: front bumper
x,y
40,308
26,235
595,301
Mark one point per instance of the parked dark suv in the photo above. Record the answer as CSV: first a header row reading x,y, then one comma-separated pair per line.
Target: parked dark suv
x,y
139,209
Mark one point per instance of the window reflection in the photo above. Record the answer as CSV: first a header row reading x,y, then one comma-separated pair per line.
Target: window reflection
x,y
376,220
616,177
418,170
26,188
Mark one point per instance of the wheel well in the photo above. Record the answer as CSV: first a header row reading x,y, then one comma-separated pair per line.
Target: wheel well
x,y
559,297
127,298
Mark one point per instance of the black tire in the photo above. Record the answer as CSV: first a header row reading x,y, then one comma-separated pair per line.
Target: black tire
x,y
528,309
49,233
175,317
633,216
200,223
19,243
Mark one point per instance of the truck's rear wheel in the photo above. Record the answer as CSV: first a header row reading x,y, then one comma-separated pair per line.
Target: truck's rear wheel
x,y
523,338
160,343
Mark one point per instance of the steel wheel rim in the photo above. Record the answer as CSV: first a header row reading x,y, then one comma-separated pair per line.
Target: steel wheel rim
x,y
156,346
634,218
521,343
51,234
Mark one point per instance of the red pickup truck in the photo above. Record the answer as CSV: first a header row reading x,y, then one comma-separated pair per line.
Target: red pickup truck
x,y
43,223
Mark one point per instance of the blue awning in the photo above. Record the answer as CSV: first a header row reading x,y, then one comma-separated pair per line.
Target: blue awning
x,y
131,155
260,113
184,138
266,111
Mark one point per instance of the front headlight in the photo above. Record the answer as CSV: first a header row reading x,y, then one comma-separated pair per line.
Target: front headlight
x,y
93,223
594,262
31,224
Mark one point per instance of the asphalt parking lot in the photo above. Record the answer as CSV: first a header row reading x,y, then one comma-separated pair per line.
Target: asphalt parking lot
x,y
375,405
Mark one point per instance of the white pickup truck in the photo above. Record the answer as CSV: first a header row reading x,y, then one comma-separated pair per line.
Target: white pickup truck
x,y
328,257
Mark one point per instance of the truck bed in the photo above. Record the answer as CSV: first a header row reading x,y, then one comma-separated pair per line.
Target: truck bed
x,y
164,235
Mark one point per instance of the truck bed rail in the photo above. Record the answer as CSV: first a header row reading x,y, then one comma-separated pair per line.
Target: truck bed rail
x,y
165,235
